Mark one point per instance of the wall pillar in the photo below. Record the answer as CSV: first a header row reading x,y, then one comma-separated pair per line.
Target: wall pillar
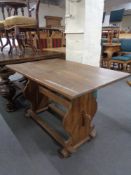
x,y
83,30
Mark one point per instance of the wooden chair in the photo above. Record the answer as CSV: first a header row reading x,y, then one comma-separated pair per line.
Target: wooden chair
x,y
56,39
2,29
23,26
8,11
1,32
44,40
122,61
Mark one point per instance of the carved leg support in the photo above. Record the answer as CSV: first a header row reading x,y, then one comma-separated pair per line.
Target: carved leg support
x,y
77,121
7,89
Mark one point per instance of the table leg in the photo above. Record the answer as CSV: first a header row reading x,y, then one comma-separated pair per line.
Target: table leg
x,y
76,121
7,89
129,83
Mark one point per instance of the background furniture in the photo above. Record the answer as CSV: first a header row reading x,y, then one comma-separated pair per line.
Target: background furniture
x,y
110,34
123,57
57,39
23,26
53,21
44,39
107,52
12,4
8,88
11,7
70,85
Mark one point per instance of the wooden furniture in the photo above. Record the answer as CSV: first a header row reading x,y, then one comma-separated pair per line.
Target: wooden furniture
x,y
57,49
110,33
15,4
22,26
53,21
11,7
109,50
123,57
2,32
44,40
56,39
66,88
7,87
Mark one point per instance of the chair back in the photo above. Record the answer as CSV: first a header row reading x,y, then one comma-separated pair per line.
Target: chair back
x,y
56,39
33,6
125,45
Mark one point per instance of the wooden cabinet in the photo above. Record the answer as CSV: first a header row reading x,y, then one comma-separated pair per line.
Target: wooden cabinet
x,y
53,21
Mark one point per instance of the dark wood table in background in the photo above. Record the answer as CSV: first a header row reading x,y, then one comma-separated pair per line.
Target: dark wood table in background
x,y
70,85
57,49
7,87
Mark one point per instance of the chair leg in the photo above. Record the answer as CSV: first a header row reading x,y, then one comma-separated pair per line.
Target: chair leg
x,y
108,64
39,43
7,42
125,67
130,68
23,41
1,41
30,43
13,41
17,35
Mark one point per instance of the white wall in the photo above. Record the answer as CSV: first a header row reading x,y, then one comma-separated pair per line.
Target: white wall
x,y
117,4
126,23
50,10
46,10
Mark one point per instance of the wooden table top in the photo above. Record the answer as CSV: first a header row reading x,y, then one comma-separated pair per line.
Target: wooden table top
x,y
13,59
57,49
68,78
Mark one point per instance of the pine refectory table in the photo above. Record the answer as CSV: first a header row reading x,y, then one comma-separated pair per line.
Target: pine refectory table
x,y
68,89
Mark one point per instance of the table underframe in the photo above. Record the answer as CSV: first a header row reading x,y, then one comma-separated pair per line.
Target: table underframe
x,y
76,121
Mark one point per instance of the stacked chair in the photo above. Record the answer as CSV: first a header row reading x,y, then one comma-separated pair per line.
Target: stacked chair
x,y
2,30
22,26
122,61
56,39
44,40
10,10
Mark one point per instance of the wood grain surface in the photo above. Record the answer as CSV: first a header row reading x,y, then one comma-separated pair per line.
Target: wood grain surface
x,y
68,78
